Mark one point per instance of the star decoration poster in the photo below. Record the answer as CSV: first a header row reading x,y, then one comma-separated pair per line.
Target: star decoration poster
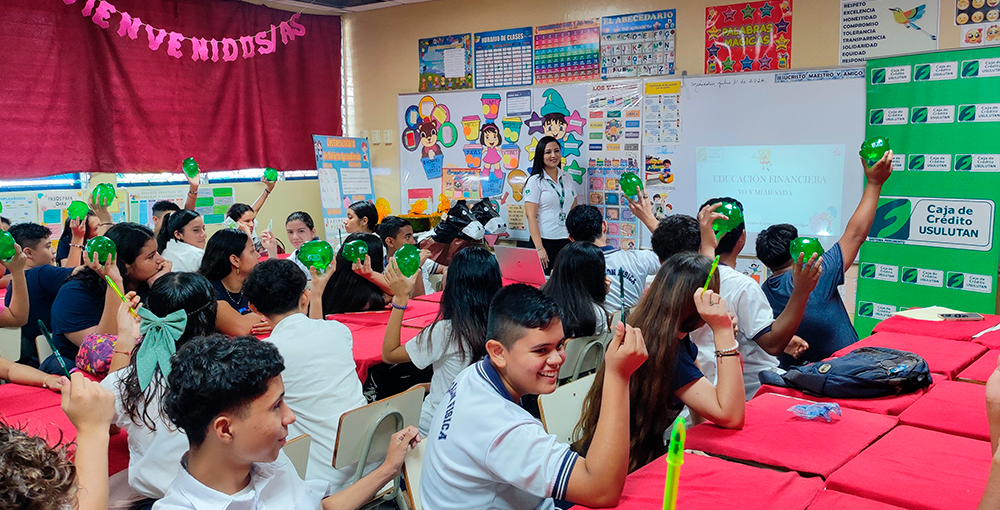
x,y
752,36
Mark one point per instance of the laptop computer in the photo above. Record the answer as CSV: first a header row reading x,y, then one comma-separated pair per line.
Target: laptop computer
x,y
520,264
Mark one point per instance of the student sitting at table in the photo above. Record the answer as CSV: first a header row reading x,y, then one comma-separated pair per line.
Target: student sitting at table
x,y
457,336
182,239
396,232
362,216
229,257
586,223
179,307
86,305
38,476
300,229
674,306
322,383
352,287
485,451
826,325
244,217
578,285
227,395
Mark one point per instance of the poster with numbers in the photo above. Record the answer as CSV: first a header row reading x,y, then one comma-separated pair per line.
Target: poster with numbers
x,y
568,51
636,45
503,58
345,177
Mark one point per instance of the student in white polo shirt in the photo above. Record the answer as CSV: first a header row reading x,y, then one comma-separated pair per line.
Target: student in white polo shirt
x,y
485,451
549,196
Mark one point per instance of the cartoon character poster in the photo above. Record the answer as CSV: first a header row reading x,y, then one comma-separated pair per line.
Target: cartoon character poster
x,y
753,36
446,63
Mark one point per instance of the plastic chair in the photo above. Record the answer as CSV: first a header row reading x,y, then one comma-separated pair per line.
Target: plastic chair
x,y
584,354
560,410
43,347
10,343
364,433
297,450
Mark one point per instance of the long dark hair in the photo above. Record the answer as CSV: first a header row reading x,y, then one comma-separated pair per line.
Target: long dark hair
x,y
473,279
67,233
215,264
190,292
236,211
173,222
366,209
577,284
349,292
538,164
665,311
130,239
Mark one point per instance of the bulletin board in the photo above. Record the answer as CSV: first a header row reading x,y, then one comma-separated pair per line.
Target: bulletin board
x,y
212,203
345,176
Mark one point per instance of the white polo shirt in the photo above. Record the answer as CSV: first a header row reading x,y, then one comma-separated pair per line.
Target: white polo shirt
x,y
746,299
295,257
185,257
485,451
273,485
321,384
636,265
435,348
544,191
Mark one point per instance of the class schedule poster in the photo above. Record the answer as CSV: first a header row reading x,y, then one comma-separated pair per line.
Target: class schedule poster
x,y
640,44
566,52
504,58
446,63
752,36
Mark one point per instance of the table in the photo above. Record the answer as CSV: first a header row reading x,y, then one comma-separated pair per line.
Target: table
x,y
368,346
957,408
712,483
891,405
833,500
981,369
945,330
944,357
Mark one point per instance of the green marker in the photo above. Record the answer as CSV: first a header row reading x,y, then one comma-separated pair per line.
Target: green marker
x,y
715,265
621,290
675,458
48,338
119,292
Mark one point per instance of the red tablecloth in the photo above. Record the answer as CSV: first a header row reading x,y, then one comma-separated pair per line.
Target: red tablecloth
x,y
833,500
981,369
432,298
368,346
892,405
989,340
947,330
17,399
773,436
945,357
918,469
951,407
381,317
711,483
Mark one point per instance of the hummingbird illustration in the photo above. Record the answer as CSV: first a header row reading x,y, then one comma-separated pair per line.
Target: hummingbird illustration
x,y
907,18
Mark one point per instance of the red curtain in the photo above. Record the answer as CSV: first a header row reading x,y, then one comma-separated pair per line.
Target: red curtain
x,y
77,97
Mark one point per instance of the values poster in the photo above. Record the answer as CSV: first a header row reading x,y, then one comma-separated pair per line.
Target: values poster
x,y
446,63
615,130
661,120
934,238
882,28
751,36
345,177
568,51
635,45
503,58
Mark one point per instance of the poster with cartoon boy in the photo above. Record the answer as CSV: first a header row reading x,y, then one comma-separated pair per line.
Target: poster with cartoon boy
x,y
554,113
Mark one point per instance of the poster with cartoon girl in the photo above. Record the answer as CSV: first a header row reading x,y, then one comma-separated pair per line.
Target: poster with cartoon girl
x,y
489,138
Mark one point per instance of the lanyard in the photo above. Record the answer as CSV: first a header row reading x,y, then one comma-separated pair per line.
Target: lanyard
x,y
561,192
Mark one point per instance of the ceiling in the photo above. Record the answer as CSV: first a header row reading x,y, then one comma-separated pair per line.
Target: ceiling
x,y
331,6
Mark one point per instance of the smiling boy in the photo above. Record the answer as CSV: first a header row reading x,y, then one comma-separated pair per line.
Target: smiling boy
x,y
485,451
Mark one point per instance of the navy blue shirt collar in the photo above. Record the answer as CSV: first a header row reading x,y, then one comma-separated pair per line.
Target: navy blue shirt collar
x,y
489,372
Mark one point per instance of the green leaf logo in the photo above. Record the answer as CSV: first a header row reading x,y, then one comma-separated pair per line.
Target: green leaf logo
x,y
866,309
919,115
923,72
878,76
868,270
876,117
967,113
963,162
970,69
917,162
956,280
910,275
892,219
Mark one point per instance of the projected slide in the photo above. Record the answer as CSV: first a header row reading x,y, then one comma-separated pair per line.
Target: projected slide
x,y
797,184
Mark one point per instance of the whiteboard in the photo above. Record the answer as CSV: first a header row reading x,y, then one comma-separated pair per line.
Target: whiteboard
x,y
783,143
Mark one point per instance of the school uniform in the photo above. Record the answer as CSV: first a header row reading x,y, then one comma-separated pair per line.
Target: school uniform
x,y
79,308
685,372
237,300
43,283
485,451
636,266
154,455
321,384
435,348
745,298
294,256
273,486
555,198
186,258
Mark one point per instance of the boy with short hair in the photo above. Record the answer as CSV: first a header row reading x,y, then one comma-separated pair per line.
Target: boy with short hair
x,y
485,451
323,381
826,325
396,232
160,209
227,395
43,281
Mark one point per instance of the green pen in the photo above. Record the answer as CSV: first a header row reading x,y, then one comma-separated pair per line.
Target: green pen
x,y
119,292
675,458
621,289
715,265
48,338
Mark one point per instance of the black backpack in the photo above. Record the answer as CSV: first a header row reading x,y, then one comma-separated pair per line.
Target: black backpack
x,y
868,372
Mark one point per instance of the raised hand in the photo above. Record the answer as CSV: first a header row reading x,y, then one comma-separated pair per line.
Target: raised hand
x,y
626,351
805,275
